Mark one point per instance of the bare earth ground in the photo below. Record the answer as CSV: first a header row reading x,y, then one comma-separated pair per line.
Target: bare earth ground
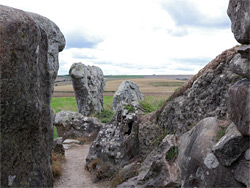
x,y
74,173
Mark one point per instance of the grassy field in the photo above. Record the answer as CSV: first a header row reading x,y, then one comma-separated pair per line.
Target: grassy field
x,y
156,91
148,86
150,104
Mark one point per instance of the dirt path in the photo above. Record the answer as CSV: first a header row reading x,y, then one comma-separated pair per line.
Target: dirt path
x,y
74,174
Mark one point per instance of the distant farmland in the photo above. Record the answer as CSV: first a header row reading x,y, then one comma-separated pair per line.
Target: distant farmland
x,y
153,85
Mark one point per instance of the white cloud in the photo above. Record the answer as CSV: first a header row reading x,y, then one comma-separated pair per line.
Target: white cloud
x,y
137,36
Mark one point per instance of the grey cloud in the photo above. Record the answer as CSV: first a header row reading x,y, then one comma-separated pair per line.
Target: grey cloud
x,y
185,13
78,40
184,69
80,56
192,61
102,63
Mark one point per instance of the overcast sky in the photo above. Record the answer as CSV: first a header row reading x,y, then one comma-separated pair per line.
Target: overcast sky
x,y
137,36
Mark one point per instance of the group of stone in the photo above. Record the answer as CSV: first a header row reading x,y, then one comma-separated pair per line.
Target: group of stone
x,y
199,138
29,48
182,144
89,83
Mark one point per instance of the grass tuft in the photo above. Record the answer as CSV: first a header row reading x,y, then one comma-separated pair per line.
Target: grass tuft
x,y
57,161
130,108
159,139
172,154
221,133
152,103
105,116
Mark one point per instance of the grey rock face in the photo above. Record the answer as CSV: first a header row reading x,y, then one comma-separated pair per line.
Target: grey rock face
x,y
156,170
148,133
75,125
230,147
206,98
56,43
244,51
26,116
58,146
247,155
88,83
199,167
117,142
240,66
242,172
239,14
239,105
127,93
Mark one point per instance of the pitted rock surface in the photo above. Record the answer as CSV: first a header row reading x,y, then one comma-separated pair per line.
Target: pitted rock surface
x,y
127,93
117,141
230,147
75,125
240,66
26,90
239,14
199,167
207,97
88,83
156,170
239,105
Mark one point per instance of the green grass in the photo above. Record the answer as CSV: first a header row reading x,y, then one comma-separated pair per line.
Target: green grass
x,y
130,108
221,133
172,154
58,104
166,84
106,115
55,133
63,103
152,103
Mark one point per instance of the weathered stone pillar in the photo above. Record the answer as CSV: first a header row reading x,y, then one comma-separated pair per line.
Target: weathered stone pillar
x,y
25,92
88,83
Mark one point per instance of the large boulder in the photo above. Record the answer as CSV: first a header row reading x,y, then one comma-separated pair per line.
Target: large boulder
x,y
127,93
199,167
26,90
159,169
88,83
117,142
75,125
239,105
58,146
204,95
240,66
242,172
244,51
239,14
230,147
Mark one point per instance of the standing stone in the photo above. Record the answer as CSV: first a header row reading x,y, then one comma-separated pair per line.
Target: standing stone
x,y
88,83
127,93
56,43
26,116
239,105
239,13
